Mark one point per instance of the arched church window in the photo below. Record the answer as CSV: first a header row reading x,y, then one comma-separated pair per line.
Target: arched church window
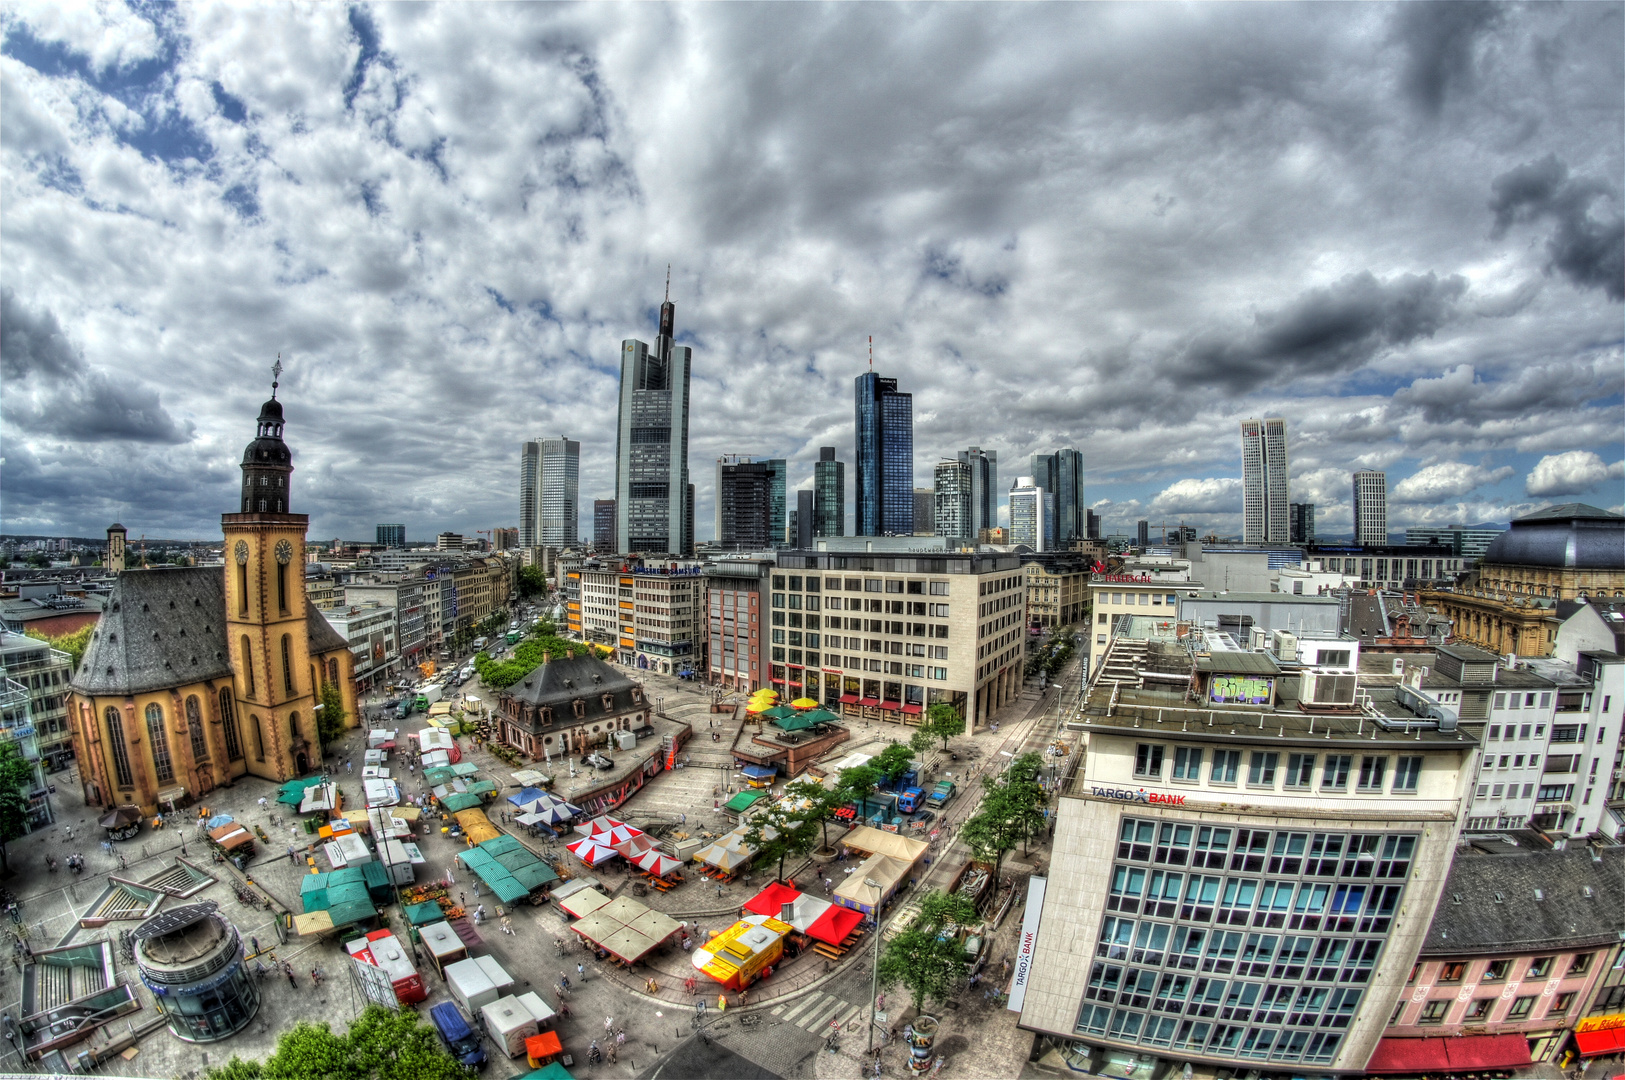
x,y
194,728
228,720
162,766
121,755
248,664
287,663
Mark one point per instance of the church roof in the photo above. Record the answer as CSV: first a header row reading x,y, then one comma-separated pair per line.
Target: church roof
x,y
160,628
562,680
322,637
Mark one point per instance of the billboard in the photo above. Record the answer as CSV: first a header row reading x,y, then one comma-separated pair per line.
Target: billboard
x,y
1027,949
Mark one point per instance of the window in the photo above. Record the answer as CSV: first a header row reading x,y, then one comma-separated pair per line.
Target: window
x,y
1148,760
242,588
1581,964
1495,971
1561,1004
248,666
1372,768
1407,772
1478,1009
1336,775
159,737
282,587
228,722
259,738
1433,1012
1225,765
1452,972
194,727
1188,763
1261,768
1539,968
1300,770
1521,1007
115,740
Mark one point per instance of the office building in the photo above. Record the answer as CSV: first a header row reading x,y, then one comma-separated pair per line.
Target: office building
x,y
744,512
1149,588
603,525
1032,515
1264,482
885,637
1371,507
44,672
1061,474
448,541
1301,516
392,536
777,500
530,476
1470,542
736,596
984,487
1243,866
951,513
884,420
654,509
558,494
798,528
1142,531
924,512
1092,525
659,627
829,494
1057,589
504,539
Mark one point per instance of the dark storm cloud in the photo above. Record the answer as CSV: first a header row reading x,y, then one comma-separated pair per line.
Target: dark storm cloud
x,y
51,391
1461,394
1439,40
1325,331
1588,245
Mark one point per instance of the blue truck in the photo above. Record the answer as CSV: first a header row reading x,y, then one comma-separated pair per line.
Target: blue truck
x,y
462,1040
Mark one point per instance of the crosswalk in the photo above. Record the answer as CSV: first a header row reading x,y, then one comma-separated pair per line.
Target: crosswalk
x,y
817,1013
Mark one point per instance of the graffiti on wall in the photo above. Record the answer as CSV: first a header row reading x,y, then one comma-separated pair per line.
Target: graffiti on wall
x,y
1240,689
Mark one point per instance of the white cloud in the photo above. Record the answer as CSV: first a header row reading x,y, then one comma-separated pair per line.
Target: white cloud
x,y
1213,495
1446,480
1573,473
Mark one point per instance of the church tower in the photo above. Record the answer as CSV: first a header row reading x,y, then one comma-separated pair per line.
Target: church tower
x,y
277,685
116,536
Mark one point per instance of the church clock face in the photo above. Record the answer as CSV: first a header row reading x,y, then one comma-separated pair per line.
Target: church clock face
x,y
241,551
284,552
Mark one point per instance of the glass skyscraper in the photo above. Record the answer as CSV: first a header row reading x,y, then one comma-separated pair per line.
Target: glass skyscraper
x,y
558,493
654,509
829,494
778,467
1264,482
984,489
1371,507
885,465
1061,473
530,470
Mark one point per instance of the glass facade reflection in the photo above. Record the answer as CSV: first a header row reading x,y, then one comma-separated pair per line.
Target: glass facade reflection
x,y
884,421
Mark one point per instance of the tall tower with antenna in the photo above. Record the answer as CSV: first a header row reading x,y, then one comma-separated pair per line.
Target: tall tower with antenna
x,y
653,500
884,430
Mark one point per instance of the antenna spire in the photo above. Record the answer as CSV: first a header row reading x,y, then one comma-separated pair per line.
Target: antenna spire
x,y
276,374
871,352
668,282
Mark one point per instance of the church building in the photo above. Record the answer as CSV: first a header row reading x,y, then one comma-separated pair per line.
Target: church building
x,y
196,676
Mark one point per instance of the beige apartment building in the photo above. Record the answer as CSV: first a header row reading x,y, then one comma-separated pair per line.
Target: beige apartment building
x,y
1057,589
649,613
885,637
1152,589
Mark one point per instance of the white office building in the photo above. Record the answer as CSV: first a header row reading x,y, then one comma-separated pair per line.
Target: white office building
x,y
1264,482
558,500
1032,515
1371,507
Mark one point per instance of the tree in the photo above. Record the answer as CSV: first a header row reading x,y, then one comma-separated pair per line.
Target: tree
x,y
921,741
925,960
16,781
893,762
943,721
332,717
780,832
818,804
856,785
74,644
532,581
1012,809
381,1044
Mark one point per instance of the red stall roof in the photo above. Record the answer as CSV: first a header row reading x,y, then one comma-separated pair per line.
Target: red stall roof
x,y
892,705
1461,1053
1595,1043
771,900
833,925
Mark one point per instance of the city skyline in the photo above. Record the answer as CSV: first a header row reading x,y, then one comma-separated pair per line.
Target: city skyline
x,y
1421,275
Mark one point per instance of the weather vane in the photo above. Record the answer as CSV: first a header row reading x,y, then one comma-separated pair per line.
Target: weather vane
x,y
276,373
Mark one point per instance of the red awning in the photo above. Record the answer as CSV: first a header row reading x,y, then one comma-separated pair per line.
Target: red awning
x,y
892,705
834,924
911,709
1606,1041
771,900
1462,1053
869,702
832,671
849,699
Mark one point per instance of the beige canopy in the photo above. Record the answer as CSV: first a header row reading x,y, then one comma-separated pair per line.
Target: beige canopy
x,y
881,842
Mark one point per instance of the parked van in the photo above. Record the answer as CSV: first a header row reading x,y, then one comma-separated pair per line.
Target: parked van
x,y
461,1039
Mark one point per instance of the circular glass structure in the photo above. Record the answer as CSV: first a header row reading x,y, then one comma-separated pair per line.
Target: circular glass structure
x,y
191,959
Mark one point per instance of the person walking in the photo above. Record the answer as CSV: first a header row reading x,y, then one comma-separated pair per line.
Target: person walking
x,y
581,972
291,857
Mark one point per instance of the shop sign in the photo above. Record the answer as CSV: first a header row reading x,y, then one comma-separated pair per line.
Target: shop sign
x,y
1029,941
1151,798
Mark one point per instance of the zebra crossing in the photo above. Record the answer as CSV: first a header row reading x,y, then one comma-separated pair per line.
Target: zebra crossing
x,y
817,1012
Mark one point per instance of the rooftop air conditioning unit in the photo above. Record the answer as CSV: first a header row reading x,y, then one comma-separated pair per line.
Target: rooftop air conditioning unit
x,y
1284,645
1399,666
1328,688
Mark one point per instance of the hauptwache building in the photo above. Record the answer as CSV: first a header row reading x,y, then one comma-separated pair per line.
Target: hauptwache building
x,y
1247,856
196,676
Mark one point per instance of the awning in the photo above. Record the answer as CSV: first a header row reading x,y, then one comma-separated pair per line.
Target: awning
x,y
771,900
912,709
834,924
869,702
892,705
1461,1053
760,772
849,699
1595,1043
742,802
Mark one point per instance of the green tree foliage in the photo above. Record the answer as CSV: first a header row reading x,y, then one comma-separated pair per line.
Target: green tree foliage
x,y
331,719
16,781
532,581
1011,810
943,721
928,962
921,740
856,784
893,762
73,644
818,804
526,657
381,1044
781,831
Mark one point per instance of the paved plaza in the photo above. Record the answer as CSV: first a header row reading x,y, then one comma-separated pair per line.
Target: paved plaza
x,y
781,1029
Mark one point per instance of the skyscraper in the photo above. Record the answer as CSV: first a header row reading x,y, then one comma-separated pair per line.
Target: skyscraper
x,y
778,470
1303,522
924,512
530,473
1032,515
951,514
654,509
603,525
393,536
829,494
558,494
885,465
1093,520
745,505
799,522
1062,474
984,487
1370,507
1142,531
1264,482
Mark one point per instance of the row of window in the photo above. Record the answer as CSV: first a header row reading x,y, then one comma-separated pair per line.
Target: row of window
x,y
1207,1037
912,587
1228,952
1478,1009
1319,854
1263,766
1539,967
1292,905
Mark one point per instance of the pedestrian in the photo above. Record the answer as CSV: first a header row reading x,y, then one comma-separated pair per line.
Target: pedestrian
x,y
292,982
581,972
609,1025
262,803
290,854
620,1038
347,766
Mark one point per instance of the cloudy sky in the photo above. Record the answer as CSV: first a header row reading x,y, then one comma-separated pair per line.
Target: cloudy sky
x,y
1121,228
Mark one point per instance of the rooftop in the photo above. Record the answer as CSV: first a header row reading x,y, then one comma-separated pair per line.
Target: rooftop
x,y
1529,901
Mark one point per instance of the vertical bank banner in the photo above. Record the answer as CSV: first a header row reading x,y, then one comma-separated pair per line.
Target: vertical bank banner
x,y
1029,942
